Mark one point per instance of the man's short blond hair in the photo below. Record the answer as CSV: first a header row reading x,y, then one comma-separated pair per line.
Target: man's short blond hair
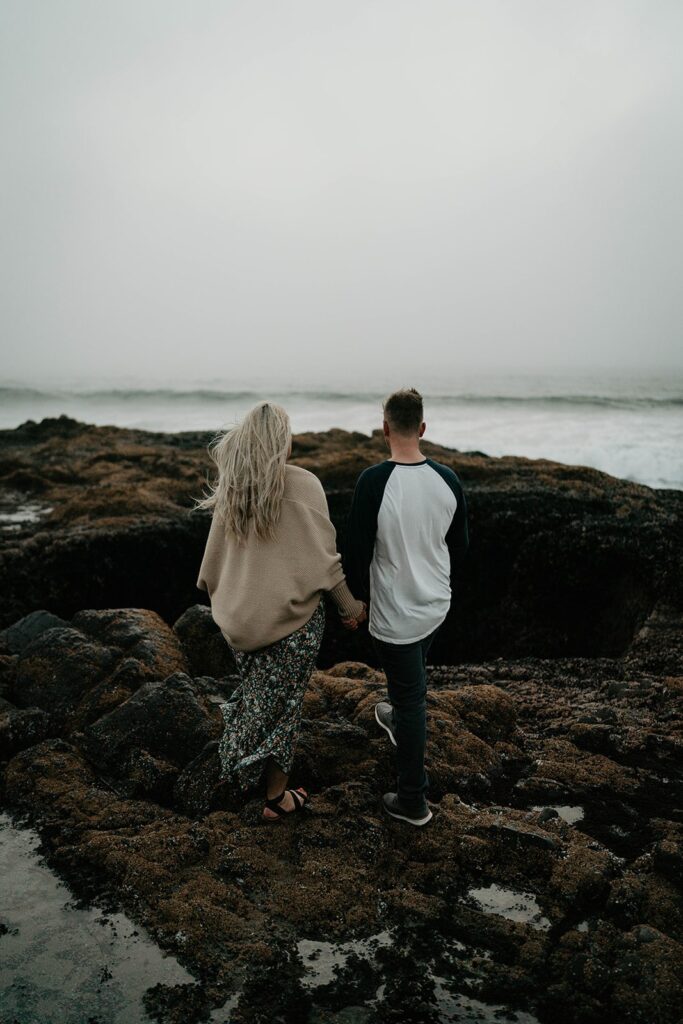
x,y
403,411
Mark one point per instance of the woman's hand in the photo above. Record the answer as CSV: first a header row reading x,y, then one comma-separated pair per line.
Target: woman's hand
x,y
352,624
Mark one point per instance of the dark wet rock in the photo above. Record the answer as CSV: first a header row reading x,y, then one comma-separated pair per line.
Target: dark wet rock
x,y
21,728
53,778
668,858
150,777
81,671
146,645
176,1004
609,968
164,718
564,770
644,933
487,711
525,836
547,814
203,643
8,673
279,969
580,879
20,634
216,690
102,698
193,790
57,668
329,752
658,646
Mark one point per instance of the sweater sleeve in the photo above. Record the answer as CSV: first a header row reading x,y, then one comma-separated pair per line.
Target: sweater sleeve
x,y
205,572
347,605
334,580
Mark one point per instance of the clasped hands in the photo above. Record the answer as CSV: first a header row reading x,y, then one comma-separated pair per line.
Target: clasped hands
x,y
355,623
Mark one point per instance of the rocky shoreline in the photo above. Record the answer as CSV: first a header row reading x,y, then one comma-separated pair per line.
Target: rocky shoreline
x,y
549,882
564,560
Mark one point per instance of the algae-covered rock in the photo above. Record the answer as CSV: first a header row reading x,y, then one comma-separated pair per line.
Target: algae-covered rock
x,y
164,718
204,645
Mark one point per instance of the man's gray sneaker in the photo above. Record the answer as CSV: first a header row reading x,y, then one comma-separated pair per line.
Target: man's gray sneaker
x,y
394,807
384,714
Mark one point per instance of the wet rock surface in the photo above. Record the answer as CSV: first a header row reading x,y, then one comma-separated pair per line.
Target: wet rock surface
x,y
548,884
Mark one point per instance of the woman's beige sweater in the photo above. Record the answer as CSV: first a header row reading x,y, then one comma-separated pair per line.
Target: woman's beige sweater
x,y
263,590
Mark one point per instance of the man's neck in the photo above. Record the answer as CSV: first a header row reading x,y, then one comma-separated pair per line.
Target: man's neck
x,y
409,452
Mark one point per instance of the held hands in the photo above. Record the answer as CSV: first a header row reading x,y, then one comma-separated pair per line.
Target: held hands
x,y
352,624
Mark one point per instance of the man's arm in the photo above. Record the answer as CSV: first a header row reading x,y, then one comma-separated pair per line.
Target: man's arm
x,y
457,537
361,529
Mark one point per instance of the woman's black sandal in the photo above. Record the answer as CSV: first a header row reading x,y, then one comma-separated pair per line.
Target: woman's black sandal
x,y
299,796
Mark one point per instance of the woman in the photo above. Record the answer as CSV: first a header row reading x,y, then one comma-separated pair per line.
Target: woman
x,y
270,555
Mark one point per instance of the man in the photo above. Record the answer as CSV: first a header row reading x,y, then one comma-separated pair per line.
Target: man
x,y
407,531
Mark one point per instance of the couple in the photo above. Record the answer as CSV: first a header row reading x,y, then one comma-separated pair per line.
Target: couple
x,y
270,556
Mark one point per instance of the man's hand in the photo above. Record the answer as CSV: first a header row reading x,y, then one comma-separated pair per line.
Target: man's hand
x,y
352,624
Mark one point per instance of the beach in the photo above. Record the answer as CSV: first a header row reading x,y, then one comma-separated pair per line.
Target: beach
x,y
548,884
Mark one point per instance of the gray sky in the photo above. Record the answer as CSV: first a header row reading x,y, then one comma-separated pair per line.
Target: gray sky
x,y
321,189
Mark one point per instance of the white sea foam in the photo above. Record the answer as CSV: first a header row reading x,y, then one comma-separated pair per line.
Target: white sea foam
x,y
631,428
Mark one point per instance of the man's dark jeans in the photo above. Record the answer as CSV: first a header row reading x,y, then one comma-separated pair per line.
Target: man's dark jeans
x,y
405,668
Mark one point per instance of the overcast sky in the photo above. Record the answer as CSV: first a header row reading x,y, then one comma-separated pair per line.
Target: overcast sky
x,y
322,188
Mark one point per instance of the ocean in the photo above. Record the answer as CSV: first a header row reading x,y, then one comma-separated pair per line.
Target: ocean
x,y
627,426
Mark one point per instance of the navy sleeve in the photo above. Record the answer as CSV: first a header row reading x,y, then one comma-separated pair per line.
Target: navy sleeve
x,y
361,529
457,536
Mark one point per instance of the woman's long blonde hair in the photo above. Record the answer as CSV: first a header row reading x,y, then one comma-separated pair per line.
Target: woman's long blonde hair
x,y
251,459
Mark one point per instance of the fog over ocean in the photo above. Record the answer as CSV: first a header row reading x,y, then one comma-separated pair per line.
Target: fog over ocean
x,y
631,427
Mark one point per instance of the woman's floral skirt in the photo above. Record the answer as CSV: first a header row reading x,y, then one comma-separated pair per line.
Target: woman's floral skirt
x,y
263,717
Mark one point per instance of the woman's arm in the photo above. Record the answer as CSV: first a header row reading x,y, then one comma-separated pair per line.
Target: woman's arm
x,y
347,605
350,610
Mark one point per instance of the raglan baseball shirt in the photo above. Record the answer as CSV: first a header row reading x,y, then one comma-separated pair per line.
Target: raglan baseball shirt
x,y
407,532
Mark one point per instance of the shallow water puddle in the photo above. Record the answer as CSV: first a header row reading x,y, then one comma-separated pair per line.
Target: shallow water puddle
x,y
323,959
223,1014
508,903
15,514
461,1009
60,964
571,813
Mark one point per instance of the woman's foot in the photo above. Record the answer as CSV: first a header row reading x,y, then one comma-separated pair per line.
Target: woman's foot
x,y
289,802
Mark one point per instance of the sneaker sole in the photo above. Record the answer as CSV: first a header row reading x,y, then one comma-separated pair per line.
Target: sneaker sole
x,y
385,727
412,821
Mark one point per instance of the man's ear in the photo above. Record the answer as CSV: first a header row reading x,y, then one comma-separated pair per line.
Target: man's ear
x,y
386,428
423,427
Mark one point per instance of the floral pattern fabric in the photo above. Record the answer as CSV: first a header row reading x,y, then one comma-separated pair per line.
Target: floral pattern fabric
x,y
263,717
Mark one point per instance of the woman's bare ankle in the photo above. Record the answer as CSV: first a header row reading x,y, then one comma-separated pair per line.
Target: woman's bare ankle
x,y
276,780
